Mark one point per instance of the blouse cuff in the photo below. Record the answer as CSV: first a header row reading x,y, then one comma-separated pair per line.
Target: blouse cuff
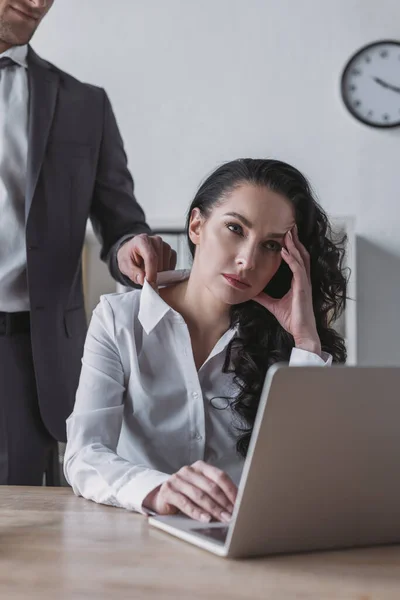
x,y
301,357
133,494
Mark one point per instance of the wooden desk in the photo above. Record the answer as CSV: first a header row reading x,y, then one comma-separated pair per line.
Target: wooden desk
x,y
56,546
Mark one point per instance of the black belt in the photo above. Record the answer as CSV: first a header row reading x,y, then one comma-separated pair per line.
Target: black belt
x,y
17,322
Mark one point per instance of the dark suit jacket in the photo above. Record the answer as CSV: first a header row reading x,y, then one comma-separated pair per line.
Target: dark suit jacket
x,y
77,169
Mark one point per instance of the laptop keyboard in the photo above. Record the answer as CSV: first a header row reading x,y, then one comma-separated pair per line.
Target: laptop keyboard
x,y
215,533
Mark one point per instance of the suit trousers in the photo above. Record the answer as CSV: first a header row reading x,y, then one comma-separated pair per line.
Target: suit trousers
x,y
26,447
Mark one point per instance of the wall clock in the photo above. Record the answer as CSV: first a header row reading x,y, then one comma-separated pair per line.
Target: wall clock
x,y
370,84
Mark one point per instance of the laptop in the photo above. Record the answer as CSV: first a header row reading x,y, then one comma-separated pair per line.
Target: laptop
x,y
322,470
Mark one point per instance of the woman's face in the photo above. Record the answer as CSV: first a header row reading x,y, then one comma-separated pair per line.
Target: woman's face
x,y
238,245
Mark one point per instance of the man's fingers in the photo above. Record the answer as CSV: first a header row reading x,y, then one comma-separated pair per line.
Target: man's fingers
x,y
172,260
169,258
166,257
144,250
158,246
137,275
144,256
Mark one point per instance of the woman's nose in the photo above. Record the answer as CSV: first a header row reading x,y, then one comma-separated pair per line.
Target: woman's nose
x,y
246,258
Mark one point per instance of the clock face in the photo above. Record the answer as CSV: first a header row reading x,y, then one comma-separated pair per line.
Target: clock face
x,y
371,84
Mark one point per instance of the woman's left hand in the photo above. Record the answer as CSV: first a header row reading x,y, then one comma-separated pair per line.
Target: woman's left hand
x,y
295,310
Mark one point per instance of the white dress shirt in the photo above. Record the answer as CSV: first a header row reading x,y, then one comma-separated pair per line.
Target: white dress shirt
x,y
142,409
14,96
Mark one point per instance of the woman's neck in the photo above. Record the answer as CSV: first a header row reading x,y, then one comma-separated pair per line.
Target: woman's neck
x,y
207,318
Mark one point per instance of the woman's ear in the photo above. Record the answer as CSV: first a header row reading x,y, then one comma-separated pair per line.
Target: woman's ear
x,y
195,224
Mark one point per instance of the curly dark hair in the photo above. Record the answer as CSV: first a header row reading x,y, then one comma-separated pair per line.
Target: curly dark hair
x,y
261,340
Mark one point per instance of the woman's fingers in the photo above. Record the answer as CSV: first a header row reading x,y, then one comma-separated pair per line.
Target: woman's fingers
x,y
200,491
266,301
304,253
294,258
205,484
171,494
221,479
294,264
202,499
292,249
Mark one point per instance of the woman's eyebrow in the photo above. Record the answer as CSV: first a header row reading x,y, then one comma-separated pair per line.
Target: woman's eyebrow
x,y
240,217
250,225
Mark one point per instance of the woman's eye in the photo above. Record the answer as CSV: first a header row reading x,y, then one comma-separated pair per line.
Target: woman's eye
x,y
274,246
235,228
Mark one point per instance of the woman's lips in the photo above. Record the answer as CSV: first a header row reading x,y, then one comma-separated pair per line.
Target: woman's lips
x,y
236,283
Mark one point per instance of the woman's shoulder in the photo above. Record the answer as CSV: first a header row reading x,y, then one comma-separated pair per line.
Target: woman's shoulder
x,y
119,308
121,300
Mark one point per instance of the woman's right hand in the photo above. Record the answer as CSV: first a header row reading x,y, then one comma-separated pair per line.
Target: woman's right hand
x,y
200,491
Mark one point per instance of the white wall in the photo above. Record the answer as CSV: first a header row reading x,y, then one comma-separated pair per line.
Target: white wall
x,y
197,82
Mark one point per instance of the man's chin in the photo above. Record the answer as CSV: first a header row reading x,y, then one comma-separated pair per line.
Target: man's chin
x,y
22,38
20,42
17,35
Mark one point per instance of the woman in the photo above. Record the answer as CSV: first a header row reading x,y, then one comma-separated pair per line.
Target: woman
x,y
171,380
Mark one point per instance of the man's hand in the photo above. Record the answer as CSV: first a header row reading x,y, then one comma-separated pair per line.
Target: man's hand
x,y
200,491
144,256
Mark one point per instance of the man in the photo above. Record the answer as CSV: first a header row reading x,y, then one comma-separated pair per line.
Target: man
x,y
61,161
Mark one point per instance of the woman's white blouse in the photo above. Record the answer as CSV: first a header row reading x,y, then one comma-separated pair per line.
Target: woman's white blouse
x,y
142,409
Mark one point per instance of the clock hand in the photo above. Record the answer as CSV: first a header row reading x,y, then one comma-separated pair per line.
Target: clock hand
x,y
386,85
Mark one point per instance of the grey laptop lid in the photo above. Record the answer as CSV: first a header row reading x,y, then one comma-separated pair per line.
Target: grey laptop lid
x,y
323,469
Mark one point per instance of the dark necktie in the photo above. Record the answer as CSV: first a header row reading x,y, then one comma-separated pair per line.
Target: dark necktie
x,y
6,61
